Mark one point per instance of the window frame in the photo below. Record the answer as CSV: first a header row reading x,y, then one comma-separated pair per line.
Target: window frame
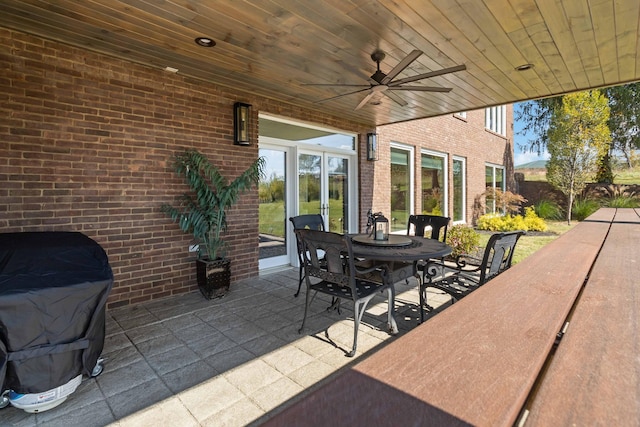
x,y
495,119
445,174
494,167
410,186
463,191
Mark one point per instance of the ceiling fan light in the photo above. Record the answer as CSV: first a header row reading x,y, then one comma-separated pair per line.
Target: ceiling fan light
x,y
205,42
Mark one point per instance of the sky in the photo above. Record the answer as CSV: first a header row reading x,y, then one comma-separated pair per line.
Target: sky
x,y
522,156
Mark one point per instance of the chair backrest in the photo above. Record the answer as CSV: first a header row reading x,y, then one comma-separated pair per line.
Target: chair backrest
x,y
307,221
498,254
337,254
437,223
310,221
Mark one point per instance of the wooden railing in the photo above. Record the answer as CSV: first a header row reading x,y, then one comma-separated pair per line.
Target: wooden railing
x,y
495,357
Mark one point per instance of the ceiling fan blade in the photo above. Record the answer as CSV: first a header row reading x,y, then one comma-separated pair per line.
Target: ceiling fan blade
x,y
364,101
401,66
334,85
421,88
342,94
429,74
395,98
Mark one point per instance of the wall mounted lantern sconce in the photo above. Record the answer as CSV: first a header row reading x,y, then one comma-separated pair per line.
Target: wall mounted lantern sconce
x,y
241,122
372,146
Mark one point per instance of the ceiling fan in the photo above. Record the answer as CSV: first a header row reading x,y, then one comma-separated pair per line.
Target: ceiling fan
x,y
380,82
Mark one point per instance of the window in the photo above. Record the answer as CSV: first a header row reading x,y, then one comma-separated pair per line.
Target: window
x,y
494,180
495,119
401,188
433,172
461,114
459,189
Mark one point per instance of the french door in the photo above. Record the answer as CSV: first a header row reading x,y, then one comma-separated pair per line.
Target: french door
x,y
324,188
273,207
299,182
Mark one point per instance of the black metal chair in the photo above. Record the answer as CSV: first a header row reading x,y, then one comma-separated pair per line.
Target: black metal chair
x,y
438,224
341,278
418,223
469,273
311,222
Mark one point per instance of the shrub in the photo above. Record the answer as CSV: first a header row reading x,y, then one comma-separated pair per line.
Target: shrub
x,y
547,209
621,202
530,222
491,222
462,239
505,201
582,208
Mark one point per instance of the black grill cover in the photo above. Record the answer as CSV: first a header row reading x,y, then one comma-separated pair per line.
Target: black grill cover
x,y
53,291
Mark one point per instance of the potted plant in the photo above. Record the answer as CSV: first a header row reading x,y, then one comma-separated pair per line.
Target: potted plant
x,y
203,213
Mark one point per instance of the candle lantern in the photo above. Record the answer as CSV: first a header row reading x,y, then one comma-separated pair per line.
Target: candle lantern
x,y
380,227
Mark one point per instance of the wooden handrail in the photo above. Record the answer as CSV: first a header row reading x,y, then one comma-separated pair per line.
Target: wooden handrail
x,y
594,377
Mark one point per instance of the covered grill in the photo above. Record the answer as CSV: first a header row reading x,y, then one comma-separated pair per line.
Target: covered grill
x,y
53,291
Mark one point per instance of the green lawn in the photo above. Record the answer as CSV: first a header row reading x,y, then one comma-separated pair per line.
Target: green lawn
x,y
275,212
627,176
528,244
620,176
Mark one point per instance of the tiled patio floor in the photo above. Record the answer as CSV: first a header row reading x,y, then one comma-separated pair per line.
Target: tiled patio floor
x,y
187,361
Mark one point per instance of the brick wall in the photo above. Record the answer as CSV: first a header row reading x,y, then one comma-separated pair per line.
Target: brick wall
x,y
86,145
451,135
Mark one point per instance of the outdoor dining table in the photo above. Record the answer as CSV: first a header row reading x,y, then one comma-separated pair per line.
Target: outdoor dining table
x,y
398,250
399,253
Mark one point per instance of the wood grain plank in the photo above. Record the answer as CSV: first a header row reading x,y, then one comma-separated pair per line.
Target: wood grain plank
x,y
490,35
627,16
435,41
537,30
603,16
594,377
562,38
541,78
582,30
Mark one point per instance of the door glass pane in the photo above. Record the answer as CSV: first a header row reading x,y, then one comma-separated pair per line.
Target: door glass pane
x,y
458,190
338,199
273,209
432,184
309,183
400,196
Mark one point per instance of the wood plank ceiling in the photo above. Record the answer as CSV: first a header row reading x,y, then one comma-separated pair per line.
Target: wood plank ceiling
x,y
276,47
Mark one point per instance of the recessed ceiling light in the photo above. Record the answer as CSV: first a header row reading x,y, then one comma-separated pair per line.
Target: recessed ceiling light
x,y
171,69
524,67
205,42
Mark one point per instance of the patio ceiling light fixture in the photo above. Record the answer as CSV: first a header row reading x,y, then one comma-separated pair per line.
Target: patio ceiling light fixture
x,y
205,42
372,147
524,67
241,122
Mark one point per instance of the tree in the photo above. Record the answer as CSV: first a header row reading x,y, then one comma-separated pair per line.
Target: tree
x,y
624,120
535,117
578,138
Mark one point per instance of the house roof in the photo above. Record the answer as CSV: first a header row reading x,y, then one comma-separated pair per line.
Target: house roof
x,y
275,48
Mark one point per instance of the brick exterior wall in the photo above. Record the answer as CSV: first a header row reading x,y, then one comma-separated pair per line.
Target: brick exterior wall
x,y
87,143
453,136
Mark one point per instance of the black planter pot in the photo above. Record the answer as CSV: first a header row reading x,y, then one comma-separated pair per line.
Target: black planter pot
x,y
214,277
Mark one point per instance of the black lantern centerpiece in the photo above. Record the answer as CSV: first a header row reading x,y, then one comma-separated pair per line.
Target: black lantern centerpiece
x,y
380,227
